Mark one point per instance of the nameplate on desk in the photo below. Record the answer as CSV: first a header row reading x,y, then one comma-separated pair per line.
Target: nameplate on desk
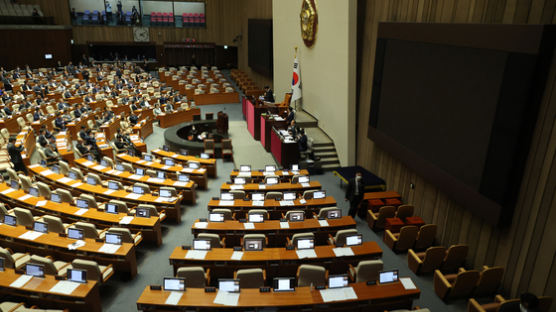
x,y
155,180
188,170
302,201
99,167
41,203
112,171
30,235
109,248
306,253
108,192
76,244
78,184
174,298
64,180
24,197
165,199
21,281
135,177
175,156
226,203
196,254
244,174
88,163
126,220
343,251
258,203
80,212
47,172
323,223
236,255
236,187
262,186
180,183
305,184
286,203
200,225
249,225
133,196
338,294
226,298
142,161
64,287
7,191
284,225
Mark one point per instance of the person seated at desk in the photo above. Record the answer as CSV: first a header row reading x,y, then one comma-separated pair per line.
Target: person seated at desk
x,y
80,146
291,114
51,155
268,95
77,111
157,111
37,114
133,119
133,107
41,139
302,141
61,105
7,111
84,135
67,94
59,122
292,128
169,108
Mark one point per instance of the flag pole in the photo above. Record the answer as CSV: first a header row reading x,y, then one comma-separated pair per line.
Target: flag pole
x,y
294,57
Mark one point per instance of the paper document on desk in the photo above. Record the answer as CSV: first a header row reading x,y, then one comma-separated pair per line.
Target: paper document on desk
x,y
76,244
262,186
142,161
226,203
343,251
99,167
88,163
284,225
188,170
337,294
286,203
21,281
249,225
24,197
407,283
7,191
180,183
41,203
236,187
47,172
302,201
78,184
149,163
109,248
306,184
30,235
155,180
196,254
174,297
323,223
80,211
200,225
126,220
226,298
244,174
108,192
306,253
134,177
258,203
133,196
236,255
64,287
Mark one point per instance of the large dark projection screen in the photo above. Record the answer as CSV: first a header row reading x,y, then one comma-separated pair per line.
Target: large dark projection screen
x,y
259,46
459,108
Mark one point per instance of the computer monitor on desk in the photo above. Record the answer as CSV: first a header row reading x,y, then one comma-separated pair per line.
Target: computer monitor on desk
x,y
174,284
338,281
283,284
245,168
36,270
239,181
271,180
228,285
269,168
290,196
296,216
253,244
78,276
74,233
305,243
183,177
216,217
256,217
10,220
201,244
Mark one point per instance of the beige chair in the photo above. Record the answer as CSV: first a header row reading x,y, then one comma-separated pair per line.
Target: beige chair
x,y
64,167
255,236
323,212
454,286
65,195
426,236
295,179
287,216
271,177
95,272
405,211
21,123
308,274
151,173
146,189
377,220
308,194
24,216
500,302
258,211
172,190
238,194
400,242
121,206
273,195
54,224
340,238
50,267
226,212
5,133
26,182
44,190
11,173
78,172
298,236
195,277
14,260
215,241
3,210
425,262
94,177
29,118
455,258
108,161
366,270
118,183
127,236
89,229
250,278
92,203
128,167
152,210
489,281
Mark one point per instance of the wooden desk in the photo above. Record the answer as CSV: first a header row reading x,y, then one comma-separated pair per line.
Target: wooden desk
x,y
277,236
277,261
381,195
172,208
149,227
274,208
63,145
75,125
28,140
369,298
177,117
105,148
209,164
143,128
393,224
197,175
37,291
259,175
138,142
46,121
109,128
128,178
51,244
285,153
267,124
216,98
280,187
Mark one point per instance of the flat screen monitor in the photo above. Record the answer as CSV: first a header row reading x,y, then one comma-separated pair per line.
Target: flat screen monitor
x,y
142,212
245,168
40,227
334,214
386,277
112,208
227,196
204,156
90,158
161,175
296,216
81,203
10,220
305,243
165,193
165,148
216,217
73,175
104,163
228,285
283,284
319,194
55,169
140,171
201,244
48,56
183,177
303,179
75,233
272,181
169,162
257,196
36,270
120,167
295,167
78,276
337,281
269,168
148,157
256,217
253,244
113,185
55,198
113,238
193,165
174,283
33,191
43,162
138,190
290,196
1,264
239,181
354,240
91,180
14,184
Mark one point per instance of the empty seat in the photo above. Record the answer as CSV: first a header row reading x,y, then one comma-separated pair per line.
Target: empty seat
x,y
94,177
238,194
172,191
454,286
366,270
426,262
250,278
308,274
195,277
146,189
377,220
92,203
287,216
89,230
405,211
226,212
126,235
151,208
209,146
11,173
64,167
118,183
400,242
254,236
26,182
299,236
425,237
340,238
489,281
308,194
108,161
14,260
273,195
323,212
121,206
44,190
50,267
500,303
258,211
455,258
215,241
227,148
95,272
128,167
77,172
65,195
24,216
54,224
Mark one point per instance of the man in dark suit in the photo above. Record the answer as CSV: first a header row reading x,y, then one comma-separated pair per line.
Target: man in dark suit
x,y
15,155
302,141
133,119
7,111
527,303
291,115
268,96
354,193
60,123
37,114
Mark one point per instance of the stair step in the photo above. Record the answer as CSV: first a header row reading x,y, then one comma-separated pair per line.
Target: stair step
x,y
326,155
329,161
330,167
324,149
323,144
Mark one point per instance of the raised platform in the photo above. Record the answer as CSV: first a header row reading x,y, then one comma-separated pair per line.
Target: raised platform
x,y
175,137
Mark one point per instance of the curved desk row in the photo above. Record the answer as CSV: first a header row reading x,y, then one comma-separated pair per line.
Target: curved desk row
x,y
259,175
210,163
280,187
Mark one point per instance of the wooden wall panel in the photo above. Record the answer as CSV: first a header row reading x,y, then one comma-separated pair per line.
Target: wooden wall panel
x,y
527,248
59,9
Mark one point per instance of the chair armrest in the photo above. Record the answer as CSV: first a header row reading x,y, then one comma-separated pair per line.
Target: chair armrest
x,y
264,274
108,267
474,306
413,261
351,273
207,276
441,285
223,242
461,270
499,299
288,241
389,239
